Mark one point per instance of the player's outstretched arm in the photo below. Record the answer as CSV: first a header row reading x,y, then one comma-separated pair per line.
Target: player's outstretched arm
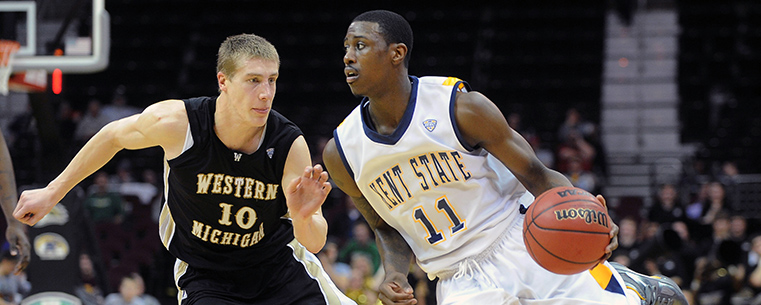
x,y
395,253
15,233
160,124
306,188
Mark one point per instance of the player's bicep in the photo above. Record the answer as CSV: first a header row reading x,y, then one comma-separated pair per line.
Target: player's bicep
x,y
298,159
338,172
482,125
162,124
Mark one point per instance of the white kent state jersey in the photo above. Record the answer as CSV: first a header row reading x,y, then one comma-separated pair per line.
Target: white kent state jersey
x,y
448,200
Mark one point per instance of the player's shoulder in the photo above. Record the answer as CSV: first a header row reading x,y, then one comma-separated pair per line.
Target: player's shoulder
x,y
439,80
281,123
166,109
167,114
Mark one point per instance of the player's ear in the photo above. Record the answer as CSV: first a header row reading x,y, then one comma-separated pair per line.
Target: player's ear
x,y
398,52
221,81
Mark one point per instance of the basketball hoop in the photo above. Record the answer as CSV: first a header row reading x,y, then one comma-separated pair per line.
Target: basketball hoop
x,y
8,49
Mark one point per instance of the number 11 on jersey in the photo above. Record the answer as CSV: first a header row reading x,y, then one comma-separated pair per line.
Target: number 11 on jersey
x,y
442,206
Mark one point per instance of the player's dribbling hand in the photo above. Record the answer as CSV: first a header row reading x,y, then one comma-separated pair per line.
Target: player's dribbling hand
x,y
396,290
33,205
613,245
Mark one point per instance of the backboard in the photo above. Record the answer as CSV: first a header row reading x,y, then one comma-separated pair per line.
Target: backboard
x,y
70,35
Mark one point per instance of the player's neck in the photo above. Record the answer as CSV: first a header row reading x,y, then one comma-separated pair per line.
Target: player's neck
x,y
386,110
239,140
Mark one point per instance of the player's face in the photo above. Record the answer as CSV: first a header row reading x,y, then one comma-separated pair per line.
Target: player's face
x,y
252,89
366,57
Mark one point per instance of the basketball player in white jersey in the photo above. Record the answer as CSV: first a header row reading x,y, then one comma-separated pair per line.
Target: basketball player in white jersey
x,y
439,174
242,210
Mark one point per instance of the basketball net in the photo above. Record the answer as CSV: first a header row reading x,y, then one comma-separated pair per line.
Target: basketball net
x,y
8,49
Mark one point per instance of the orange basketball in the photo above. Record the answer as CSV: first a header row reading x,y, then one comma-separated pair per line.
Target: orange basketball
x,y
566,230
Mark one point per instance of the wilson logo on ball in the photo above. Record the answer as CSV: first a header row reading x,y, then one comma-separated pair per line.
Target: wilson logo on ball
x,y
590,216
568,192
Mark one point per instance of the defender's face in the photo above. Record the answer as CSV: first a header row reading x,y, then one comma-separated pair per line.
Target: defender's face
x,y
366,58
252,89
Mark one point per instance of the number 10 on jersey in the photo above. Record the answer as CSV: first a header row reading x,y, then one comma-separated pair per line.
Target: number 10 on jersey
x,y
456,224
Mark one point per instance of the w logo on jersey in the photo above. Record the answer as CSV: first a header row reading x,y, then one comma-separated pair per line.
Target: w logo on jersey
x,y
430,124
237,156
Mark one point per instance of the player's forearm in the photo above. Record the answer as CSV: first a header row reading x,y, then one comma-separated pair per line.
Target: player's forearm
x,y
100,149
8,193
542,179
394,250
311,232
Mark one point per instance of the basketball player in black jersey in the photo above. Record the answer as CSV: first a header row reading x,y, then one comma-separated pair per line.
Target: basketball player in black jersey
x,y
242,212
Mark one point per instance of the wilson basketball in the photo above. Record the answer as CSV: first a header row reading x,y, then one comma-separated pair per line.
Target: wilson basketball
x,y
566,230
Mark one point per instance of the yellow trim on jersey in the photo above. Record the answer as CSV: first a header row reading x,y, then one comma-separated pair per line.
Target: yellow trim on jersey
x,y
602,274
166,226
450,81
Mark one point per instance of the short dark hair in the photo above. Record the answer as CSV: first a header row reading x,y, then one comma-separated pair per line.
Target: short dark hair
x,y
394,28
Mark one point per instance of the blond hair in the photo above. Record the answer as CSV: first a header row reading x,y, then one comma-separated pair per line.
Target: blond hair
x,y
236,49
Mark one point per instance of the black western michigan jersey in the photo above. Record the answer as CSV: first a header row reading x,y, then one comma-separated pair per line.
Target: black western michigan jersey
x,y
224,209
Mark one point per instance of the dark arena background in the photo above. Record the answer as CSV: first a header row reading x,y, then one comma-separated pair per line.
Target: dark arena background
x,y
630,99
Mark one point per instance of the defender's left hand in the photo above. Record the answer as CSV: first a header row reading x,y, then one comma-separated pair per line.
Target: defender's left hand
x,y
307,192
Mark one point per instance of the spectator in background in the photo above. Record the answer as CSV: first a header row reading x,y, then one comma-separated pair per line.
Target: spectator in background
x,y
574,125
694,210
666,208
754,267
738,229
547,156
718,277
581,137
729,176
24,146
91,289
13,287
67,120
574,146
339,272
92,121
709,246
628,242
342,219
714,204
361,241
362,282
119,107
103,204
688,252
515,120
581,177
131,292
